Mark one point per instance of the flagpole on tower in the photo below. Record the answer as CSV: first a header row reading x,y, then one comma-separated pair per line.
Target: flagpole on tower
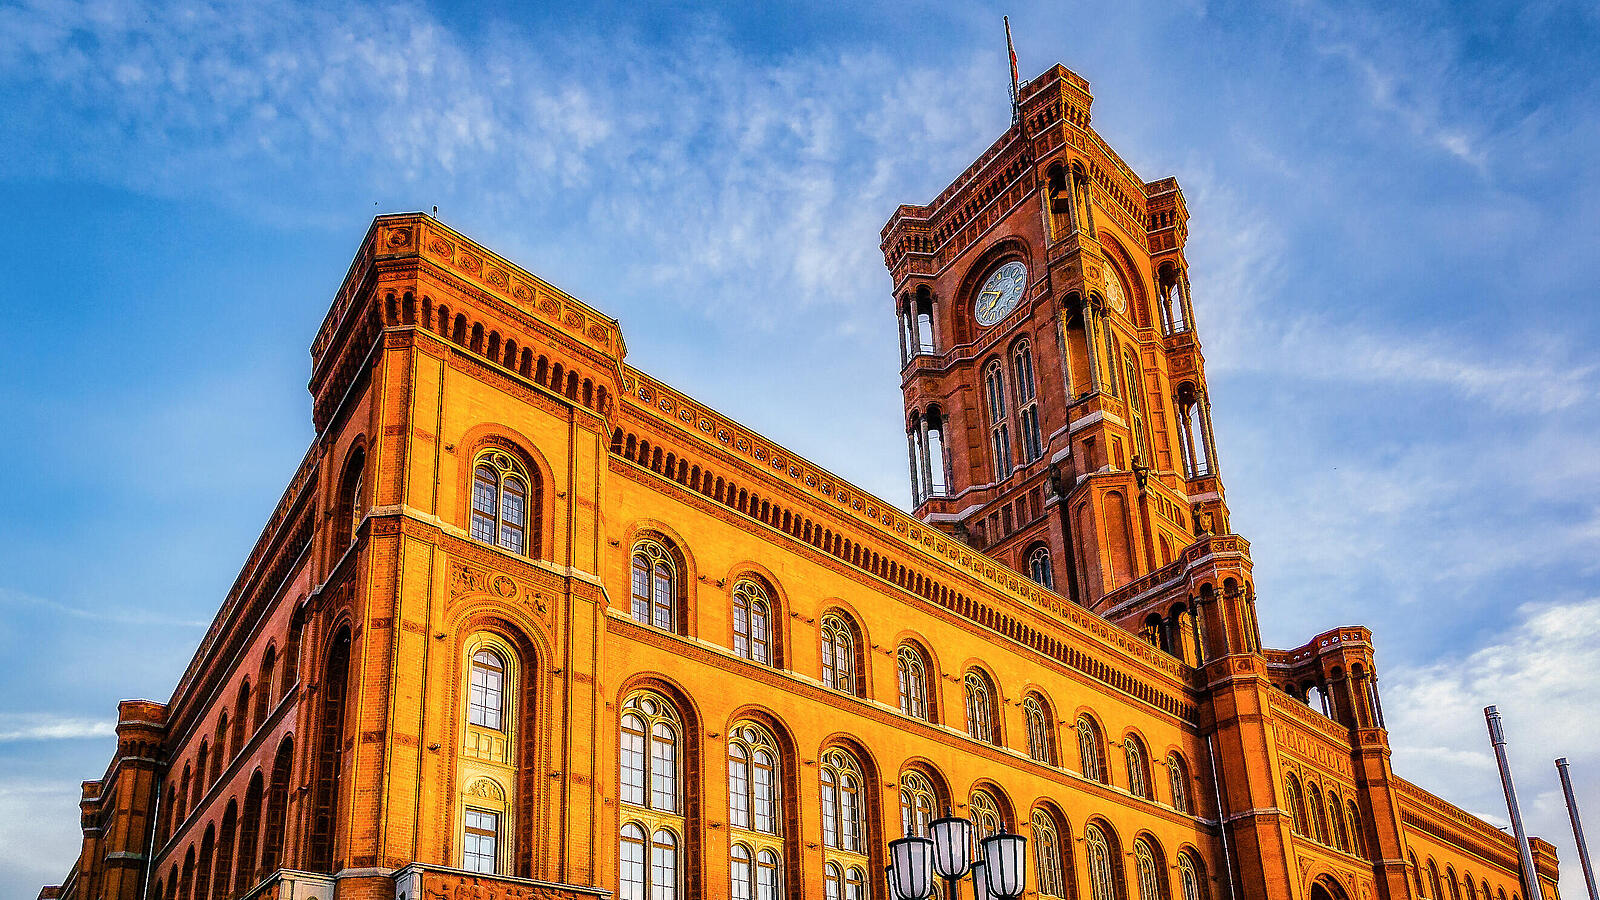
x,y
1016,91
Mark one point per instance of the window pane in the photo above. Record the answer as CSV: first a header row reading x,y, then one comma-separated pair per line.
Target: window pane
x,y
664,612
633,765
767,882
664,867
486,690
830,813
480,842
485,489
738,787
631,868
743,873
765,794
664,768
641,589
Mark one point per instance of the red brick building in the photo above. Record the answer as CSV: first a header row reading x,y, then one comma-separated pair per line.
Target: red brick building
x,y
528,623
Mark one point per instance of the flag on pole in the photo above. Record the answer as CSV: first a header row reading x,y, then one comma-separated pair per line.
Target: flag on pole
x,y
1016,92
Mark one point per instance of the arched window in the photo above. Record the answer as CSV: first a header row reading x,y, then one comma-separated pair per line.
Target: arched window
x,y
500,501
752,622
352,501
1138,774
1297,808
913,678
1453,882
843,883
1316,824
984,812
838,654
1136,405
917,804
994,382
1178,777
1027,405
655,586
1091,758
1040,745
754,873
1149,871
650,753
1337,836
1099,859
486,691
1358,838
843,819
753,779
1050,875
1190,884
656,879
1433,881
1039,567
980,708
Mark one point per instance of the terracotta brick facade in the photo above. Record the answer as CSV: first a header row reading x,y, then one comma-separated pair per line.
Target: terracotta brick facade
x,y
510,560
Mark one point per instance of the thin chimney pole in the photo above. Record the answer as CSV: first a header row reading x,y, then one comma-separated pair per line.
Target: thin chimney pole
x,y
1497,736
1577,827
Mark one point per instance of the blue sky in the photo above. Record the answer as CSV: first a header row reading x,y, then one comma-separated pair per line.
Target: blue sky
x,y
1394,231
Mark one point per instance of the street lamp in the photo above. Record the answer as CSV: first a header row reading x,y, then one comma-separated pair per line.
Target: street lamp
x,y
1000,873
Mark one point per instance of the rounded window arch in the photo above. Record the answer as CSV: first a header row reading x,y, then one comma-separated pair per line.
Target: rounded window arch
x,y
1101,858
843,802
918,803
753,622
754,777
1091,750
984,812
839,653
1051,873
1178,782
651,753
1150,869
1138,768
505,503
649,863
995,406
1026,394
1191,877
1293,799
1041,732
486,690
352,499
655,585
912,669
1040,567
981,718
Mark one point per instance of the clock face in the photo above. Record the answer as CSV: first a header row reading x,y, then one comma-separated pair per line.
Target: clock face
x,y
1115,297
1001,292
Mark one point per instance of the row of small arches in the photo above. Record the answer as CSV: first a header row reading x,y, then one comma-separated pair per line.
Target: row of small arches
x,y
730,494
1324,817
568,382
1432,884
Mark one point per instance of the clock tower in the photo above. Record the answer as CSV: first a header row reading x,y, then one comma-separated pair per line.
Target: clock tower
x,y
1055,395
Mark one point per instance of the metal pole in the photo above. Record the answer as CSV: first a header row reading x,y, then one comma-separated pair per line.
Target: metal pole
x,y
1497,736
1577,827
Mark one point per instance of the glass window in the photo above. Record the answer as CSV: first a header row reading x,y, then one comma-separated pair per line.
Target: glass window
x,y
633,875
980,708
649,752
1039,568
1027,405
917,803
1040,747
752,622
1138,777
838,655
913,679
742,873
1091,762
663,865
1178,775
1050,874
655,586
984,812
480,844
1097,853
486,690
1189,883
843,827
999,426
1149,877
500,502
752,779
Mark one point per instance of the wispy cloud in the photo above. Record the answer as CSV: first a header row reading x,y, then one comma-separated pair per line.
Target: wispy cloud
x,y
49,727
107,614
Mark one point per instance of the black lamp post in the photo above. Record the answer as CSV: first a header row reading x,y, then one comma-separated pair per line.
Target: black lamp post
x,y
1000,873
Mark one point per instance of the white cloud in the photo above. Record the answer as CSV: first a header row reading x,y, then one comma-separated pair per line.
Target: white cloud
x,y
49,727
1540,673
38,831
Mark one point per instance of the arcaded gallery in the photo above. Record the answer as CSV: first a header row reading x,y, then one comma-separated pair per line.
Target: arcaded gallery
x,y
529,623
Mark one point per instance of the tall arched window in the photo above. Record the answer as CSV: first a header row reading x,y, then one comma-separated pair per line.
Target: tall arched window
x,y
1336,832
913,679
655,586
843,883
1091,757
1039,567
994,381
1027,402
1099,860
752,622
838,654
1050,874
980,708
984,812
1358,838
1040,745
1178,778
500,501
1138,772
352,500
1190,885
649,761
1149,872
1297,808
486,691
754,803
1314,813
1136,405
917,804
843,819
754,874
